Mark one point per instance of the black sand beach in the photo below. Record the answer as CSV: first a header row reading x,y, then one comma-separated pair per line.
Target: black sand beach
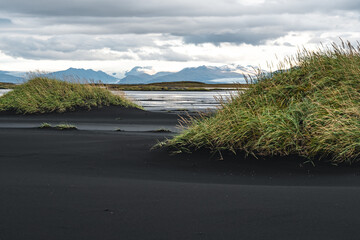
x,y
96,183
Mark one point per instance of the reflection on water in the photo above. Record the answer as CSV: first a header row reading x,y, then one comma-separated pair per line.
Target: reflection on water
x,y
178,100
3,91
173,100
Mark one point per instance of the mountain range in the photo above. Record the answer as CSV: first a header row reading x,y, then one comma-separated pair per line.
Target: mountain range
x,y
141,75
86,75
8,77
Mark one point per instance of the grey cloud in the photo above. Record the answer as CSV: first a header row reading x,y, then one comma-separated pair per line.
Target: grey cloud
x,y
5,21
150,8
165,55
241,29
65,47
286,44
248,37
81,47
81,29
184,25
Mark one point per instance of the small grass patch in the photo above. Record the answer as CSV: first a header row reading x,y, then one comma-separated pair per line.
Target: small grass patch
x,y
161,130
311,109
61,126
45,95
45,125
65,126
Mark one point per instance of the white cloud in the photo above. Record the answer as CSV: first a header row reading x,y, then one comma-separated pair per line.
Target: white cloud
x,y
113,34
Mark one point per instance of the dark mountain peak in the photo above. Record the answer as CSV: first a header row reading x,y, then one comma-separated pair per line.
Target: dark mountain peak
x,y
84,74
8,78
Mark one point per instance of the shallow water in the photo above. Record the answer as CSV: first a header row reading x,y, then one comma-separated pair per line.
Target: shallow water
x,y
3,91
173,100
178,100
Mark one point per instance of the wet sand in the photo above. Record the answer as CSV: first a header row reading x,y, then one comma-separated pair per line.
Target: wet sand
x,y
102,184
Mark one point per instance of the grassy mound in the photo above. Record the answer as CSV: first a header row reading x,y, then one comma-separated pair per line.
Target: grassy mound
x,y
311,110
45,95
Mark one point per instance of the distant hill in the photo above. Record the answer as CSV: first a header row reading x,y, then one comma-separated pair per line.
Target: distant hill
x,y
145,75
83,75
138,76
200,74
6,77
205,74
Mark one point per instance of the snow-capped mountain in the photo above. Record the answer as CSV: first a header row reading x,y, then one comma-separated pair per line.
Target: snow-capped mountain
x,y
206,74
140,75
143,75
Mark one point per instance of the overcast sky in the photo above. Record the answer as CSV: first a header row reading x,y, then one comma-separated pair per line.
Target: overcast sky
x,y
116,35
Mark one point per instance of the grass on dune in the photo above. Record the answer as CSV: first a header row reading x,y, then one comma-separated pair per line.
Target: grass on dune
x,y
44,95
311,109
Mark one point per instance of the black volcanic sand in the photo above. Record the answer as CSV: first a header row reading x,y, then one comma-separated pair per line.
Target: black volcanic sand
x,y
109,185
106,118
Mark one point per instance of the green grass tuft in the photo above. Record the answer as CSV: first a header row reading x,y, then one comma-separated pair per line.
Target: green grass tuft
x,y
62,126
44,95
45,125
311,109
65,126
161,130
